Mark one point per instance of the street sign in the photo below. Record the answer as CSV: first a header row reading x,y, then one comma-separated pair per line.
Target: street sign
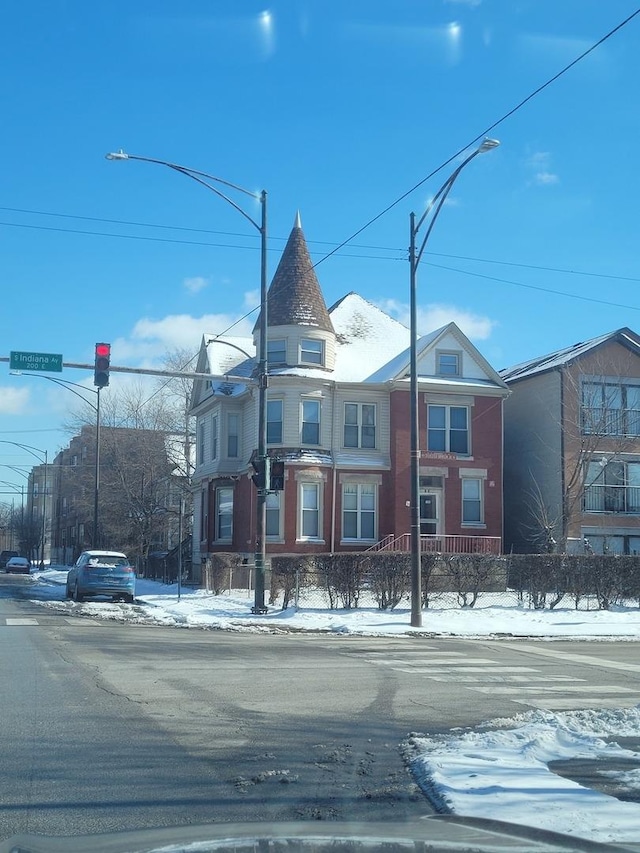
x,y
42,362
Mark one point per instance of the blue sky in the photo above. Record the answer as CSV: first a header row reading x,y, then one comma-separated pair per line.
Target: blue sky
x,y
336,109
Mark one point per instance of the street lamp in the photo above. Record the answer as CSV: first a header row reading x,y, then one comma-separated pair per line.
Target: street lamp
x,y
34,451
415,256
261,505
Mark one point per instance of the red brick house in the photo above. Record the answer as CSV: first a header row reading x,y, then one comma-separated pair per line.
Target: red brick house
x,y
338,415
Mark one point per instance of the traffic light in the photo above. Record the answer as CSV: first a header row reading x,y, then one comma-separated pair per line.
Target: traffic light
x,y
262,469
276,479
102,363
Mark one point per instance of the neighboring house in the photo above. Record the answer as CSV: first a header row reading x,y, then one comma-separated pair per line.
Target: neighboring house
x,y
338,409
572,448
139,497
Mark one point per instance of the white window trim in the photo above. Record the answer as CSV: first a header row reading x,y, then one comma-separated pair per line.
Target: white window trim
x,y
219,538
479,475
215,437
318,402
360,424
319,485
458,356
447,428
301,348
281,401
357,539
279,536
271,343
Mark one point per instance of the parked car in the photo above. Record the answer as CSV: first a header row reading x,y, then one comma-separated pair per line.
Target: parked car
x,y
101,573
6,555
18,564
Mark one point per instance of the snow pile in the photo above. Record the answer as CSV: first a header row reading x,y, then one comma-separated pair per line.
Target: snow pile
x,y
502,772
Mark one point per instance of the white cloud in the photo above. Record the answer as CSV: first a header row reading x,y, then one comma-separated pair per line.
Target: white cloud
x,y
13,401
196,283
430,317
151,338
540,163
544,178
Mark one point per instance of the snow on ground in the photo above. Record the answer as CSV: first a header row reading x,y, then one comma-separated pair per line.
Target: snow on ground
x,y
499,770
159,603
502,772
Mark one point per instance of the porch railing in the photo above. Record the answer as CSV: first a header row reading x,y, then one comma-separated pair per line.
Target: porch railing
x,y
433,543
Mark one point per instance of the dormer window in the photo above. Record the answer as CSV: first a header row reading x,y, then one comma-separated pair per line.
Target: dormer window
x,y
311,351
277,352
448,363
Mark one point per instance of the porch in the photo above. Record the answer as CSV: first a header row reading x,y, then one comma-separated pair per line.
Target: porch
x,y
441,544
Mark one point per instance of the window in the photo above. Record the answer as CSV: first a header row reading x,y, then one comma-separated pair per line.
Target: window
x,y
612,487
309,511
610,408
224,514
311,421
274,421
358,511
311,351
448,364
359,425
204,515
448,429
200,442
276,352
472,504
233,437
273,514
214,437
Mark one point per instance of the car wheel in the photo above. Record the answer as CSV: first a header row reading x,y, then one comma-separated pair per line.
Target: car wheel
x,y
67,591
76,593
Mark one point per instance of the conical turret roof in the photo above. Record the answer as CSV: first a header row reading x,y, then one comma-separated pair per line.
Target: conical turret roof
x,y
295,297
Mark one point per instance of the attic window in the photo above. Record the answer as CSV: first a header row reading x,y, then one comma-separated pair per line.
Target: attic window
x,y
277,352
311,351
448,363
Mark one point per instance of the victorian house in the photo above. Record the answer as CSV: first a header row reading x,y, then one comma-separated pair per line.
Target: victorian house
x,y
338,416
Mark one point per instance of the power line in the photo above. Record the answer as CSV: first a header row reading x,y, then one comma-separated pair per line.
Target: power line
x,y
538,287
482,134
146,238
402,253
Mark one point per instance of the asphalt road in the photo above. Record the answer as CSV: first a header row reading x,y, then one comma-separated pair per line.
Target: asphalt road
x,y
109,726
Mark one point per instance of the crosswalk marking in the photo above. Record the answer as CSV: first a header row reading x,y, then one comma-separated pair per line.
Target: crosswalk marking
x,y
433,661
531,686
20,621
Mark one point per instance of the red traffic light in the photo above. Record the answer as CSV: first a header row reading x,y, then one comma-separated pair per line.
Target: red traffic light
x,y
101,365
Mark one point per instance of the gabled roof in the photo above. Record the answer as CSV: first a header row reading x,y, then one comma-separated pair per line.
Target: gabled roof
x,y
559,358
398,367
294,297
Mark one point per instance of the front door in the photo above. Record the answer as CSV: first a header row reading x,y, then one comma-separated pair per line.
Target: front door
x,y
430,512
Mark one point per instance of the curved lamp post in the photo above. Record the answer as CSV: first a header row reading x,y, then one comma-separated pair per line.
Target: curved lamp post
x,y
415,256
206,180
34,451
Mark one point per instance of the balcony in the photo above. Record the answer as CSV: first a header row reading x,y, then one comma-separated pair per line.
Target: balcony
x,y
607,498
